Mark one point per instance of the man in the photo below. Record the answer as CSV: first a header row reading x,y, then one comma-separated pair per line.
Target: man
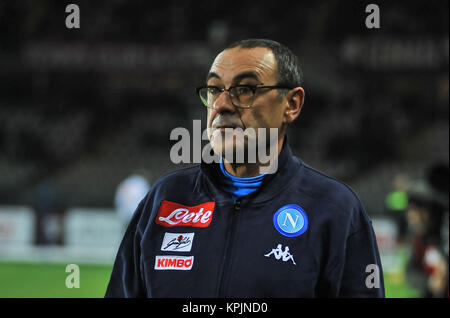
x,y
242,229
129,193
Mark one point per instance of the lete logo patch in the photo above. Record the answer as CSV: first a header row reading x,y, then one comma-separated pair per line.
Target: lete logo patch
x,y
174,214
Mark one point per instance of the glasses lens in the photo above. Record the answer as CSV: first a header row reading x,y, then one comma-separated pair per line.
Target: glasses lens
x,y
208,95
203,93
242,96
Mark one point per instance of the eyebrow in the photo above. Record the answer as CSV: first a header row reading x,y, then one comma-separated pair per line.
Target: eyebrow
x,y
237,78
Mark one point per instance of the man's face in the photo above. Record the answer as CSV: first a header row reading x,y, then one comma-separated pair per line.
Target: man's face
x,y
239,66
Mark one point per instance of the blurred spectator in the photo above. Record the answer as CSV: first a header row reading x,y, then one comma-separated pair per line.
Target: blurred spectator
x,y
128,195
427,209
49,215
44,208
396,203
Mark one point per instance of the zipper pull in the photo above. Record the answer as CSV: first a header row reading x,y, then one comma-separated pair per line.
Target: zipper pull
x,y
237,205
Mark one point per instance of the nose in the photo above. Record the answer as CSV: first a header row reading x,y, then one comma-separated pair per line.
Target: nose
x,y
223,103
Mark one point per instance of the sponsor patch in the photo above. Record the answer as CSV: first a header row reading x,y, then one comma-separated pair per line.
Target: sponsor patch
x,y
169,262
179,242
172,214
290,220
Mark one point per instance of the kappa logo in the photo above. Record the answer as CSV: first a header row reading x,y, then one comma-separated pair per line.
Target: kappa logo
x,y
290,220
169,262
278,253
174,214
181,242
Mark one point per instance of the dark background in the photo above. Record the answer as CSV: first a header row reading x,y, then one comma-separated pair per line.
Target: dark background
x,y
81,109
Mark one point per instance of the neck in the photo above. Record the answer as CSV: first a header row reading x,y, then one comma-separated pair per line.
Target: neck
x,y
248,170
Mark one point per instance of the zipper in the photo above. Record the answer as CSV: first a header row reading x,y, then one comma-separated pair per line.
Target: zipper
x,y
226,262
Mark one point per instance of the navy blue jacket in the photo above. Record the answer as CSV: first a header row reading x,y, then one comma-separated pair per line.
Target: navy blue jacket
x,y
302,234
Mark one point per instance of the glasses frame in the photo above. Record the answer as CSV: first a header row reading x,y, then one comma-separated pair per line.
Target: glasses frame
x,y
254,88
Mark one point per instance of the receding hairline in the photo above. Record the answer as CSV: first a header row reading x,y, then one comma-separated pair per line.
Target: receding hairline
x,y
212,74
269,50
287,63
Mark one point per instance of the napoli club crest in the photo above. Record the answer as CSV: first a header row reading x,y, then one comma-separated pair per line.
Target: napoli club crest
x,y
290,220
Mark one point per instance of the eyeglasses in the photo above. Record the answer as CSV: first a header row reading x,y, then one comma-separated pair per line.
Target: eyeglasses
x,y
241,96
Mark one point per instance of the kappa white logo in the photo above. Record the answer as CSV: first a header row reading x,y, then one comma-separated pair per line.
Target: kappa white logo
x,y
278,253
181,242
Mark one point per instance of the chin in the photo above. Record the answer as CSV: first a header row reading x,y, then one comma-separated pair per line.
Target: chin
x,y
232,149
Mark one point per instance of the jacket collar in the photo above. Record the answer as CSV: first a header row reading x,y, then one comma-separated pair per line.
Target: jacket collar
x,y
272,184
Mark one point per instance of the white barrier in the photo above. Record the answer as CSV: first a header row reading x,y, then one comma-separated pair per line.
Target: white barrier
x,y
17,226
91,235
92,228
387,234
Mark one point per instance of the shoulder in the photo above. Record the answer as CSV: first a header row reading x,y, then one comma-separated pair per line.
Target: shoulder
x,y
318,184
172,185
184,178
337,195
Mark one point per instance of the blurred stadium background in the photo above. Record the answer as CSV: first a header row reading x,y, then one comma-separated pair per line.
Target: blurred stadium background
x,y
83,109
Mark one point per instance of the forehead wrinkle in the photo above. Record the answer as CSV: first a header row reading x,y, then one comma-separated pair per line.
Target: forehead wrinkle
x,y
232,62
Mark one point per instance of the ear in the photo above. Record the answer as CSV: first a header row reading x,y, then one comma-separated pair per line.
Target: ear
x,y
295,99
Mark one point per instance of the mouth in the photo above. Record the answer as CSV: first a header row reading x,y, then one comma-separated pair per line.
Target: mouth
x,y
222,122
223,127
